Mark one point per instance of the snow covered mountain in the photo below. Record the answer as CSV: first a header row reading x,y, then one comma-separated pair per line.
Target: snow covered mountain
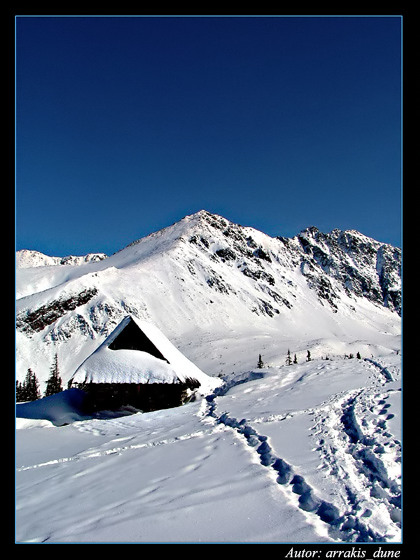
x,y
212,286
28,259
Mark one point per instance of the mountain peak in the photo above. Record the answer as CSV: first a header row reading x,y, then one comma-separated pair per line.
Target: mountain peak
x,y
205,273
208,217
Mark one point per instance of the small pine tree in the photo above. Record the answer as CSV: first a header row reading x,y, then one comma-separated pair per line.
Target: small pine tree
x,y
288,359
358,356
54,383
295,360
308,356
19,391
260,362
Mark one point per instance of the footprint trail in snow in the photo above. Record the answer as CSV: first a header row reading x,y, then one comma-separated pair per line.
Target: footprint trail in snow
x,y
366,451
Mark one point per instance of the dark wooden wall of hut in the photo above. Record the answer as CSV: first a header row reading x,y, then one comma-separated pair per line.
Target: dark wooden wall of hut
x,y
145,397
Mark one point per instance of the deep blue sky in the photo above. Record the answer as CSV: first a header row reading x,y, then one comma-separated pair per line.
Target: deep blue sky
x,y
124,125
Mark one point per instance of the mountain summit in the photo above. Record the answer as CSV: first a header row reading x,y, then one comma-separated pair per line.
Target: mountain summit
x,y
205,280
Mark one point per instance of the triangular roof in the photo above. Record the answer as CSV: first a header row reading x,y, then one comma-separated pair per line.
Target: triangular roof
x,y
132,337
138,352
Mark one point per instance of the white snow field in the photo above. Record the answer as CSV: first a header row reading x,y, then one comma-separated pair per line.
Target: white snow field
x,y
301,453
306,453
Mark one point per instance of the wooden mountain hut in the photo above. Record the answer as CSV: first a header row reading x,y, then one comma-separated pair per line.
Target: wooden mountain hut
x,y
138,366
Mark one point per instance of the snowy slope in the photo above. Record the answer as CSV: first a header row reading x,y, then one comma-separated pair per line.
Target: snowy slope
x,y
296,454
205,280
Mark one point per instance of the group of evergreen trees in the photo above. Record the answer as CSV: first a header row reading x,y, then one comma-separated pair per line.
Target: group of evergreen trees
x,y
350,356
29,389
290,361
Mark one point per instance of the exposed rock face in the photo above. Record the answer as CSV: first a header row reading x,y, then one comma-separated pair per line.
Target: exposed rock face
x,y
362,266
38,319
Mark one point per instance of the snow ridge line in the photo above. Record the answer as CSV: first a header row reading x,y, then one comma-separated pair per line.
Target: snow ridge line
x,y
343,527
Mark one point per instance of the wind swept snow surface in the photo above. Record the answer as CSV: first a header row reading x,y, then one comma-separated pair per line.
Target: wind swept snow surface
x,y
303,453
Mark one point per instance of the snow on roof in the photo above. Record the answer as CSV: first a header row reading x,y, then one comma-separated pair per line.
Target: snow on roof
x,y
136,366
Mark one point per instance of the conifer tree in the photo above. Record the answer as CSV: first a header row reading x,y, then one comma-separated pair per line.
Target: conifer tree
x,y
29,389
260,362
19,391
308,356
295,360
288,359
54,383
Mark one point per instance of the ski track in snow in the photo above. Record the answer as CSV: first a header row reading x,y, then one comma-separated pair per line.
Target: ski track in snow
x,y
118,450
